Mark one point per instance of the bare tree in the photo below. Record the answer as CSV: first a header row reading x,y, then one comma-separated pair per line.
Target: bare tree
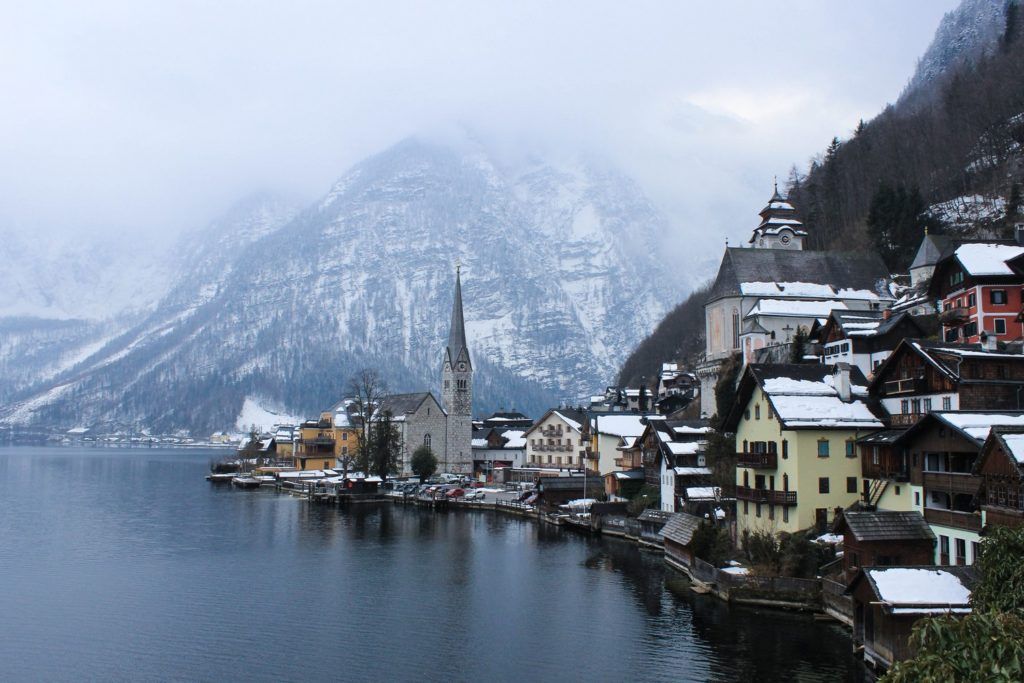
x,y
368,391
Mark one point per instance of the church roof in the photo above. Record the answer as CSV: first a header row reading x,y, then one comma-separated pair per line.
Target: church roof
x,y
841,270
931,251
403,404
457,332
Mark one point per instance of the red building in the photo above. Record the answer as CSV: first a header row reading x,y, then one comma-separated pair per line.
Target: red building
x,y
979,286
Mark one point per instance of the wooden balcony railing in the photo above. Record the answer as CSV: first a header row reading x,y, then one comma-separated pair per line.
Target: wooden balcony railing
x,y
904,419
967,521
951,482
759,461
766,496
903,386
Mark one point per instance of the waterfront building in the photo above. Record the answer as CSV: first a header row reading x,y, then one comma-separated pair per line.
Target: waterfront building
x,y
1001,469
324,442
673,453
764,293
498,447
420,420
888,601
558,440
611,433
796,429
677,535
979,287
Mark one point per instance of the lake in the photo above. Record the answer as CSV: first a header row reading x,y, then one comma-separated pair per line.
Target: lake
x,y
127,565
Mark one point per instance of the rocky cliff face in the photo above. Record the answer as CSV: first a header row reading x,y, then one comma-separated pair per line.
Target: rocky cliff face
x,y
561,274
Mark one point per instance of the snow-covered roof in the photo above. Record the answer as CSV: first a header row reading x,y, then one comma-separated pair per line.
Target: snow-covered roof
x,y
703,492
1015,444
692,471
623,425
572,423
978,425
691,430
908,587
629,474
805,289
515,438
793,308
805,396
479,443
684,448
987,259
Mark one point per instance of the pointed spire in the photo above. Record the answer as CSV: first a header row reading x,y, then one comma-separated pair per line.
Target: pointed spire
x,y
457,333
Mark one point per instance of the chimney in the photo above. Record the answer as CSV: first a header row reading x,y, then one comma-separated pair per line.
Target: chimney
x,y
1018,232
989,342
841,380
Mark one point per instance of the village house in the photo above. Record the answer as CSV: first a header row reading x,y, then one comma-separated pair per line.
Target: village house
x,y
796,429
674,461
764,293
921,376
677,535
610,433
498,447
863,338
888,601
943,449
979,289
1001,469
559,440
876,538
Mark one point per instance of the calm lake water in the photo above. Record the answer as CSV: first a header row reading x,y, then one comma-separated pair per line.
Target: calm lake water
x,y
127,565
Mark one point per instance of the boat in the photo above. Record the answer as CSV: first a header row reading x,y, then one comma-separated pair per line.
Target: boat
x,y
244,481
220,477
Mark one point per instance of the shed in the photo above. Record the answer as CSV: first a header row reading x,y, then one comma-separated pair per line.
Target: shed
x,y
555,491
883,538
651,522
678,534
888,601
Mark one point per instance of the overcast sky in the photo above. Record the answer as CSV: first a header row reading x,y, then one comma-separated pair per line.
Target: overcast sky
x,y
153,117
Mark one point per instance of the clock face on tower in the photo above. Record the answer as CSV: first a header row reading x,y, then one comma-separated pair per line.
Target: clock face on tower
x,y
462,366
784,239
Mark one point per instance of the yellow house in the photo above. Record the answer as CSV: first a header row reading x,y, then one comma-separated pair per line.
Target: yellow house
x,y
796,439
325,441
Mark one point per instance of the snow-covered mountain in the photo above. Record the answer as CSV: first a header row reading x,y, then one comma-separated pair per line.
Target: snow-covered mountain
x,y
562,274
964,35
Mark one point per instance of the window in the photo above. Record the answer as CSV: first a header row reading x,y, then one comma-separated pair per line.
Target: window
x,y
785,513
746,414
952,334
344,450
735,329
768,411
917,498
1000,326
822,484
961,552
956,278
851,484
974,551
851,448
970,329
943,549
344,436
757,412
997,297
897,490
823,448
327,465
904,406
447,384
927,405
757,509
426,440
947,403
785,449
971,300
746,507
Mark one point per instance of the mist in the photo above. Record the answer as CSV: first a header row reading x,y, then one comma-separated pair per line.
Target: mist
x,y
126,118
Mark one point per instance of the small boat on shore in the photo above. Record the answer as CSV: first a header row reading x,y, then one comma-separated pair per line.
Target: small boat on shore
x,y
220,477
244,481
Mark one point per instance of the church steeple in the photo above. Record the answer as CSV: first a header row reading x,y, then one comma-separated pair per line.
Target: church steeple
x,y
457,332
780,228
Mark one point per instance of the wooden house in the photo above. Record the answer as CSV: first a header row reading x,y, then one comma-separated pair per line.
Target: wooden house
x,y
1001,469
884,538
888,601
677,535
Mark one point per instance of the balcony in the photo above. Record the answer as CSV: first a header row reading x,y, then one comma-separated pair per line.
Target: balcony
x,y
907,385
758,461
904,419
951,482
968,521
551,431
954,316
897,473
766,496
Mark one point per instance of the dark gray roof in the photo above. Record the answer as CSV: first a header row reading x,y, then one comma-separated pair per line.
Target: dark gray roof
x,y
887,525
932,249
401,404
457,332
853,270
680,528
595,484
653,515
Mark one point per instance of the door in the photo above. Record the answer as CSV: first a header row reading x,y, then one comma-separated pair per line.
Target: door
x,y
821,519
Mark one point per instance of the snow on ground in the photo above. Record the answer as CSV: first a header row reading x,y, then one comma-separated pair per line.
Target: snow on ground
x,y
967,210
253,413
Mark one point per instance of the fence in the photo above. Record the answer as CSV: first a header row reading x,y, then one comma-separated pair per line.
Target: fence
x,y
745,588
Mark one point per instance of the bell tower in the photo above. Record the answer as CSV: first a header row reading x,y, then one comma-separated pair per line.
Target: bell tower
x,y
457,389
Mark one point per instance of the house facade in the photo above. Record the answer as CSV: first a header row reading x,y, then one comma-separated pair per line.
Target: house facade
x,y
558,441
1001,469
864,338
796,429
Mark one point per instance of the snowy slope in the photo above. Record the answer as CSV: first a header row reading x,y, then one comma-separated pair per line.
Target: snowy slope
x,y
561,277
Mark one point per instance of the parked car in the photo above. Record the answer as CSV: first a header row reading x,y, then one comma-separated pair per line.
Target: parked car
x,y
455,493
474,495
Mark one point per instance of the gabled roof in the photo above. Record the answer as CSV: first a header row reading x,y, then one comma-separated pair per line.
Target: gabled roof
x,y
973,425
869,324
979,260
920,590
944,357
885,525
574,418
1010,441
654,515
842,270
933,248
404,404
805,397
680,528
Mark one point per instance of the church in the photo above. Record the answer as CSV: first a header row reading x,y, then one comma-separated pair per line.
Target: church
x,y
446,426
767,290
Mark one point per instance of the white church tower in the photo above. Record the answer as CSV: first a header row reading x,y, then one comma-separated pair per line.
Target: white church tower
x,y
457,390
779,228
